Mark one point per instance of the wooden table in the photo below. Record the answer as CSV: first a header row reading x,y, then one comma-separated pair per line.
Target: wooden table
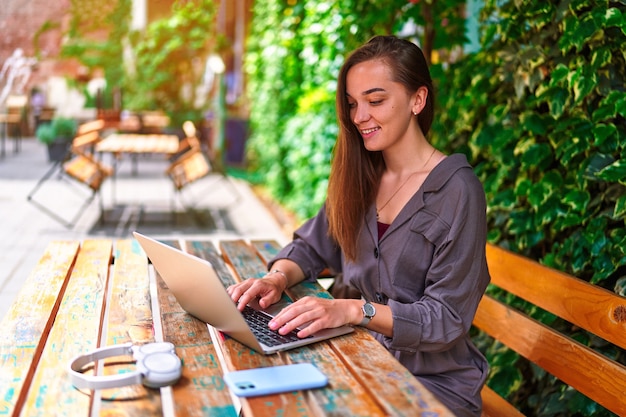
x,y
136,144
102,292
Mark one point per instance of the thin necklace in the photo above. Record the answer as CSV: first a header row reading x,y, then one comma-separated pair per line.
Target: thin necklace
x,y
378,210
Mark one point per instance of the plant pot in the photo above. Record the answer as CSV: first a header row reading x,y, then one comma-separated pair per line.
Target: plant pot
x,y
57,150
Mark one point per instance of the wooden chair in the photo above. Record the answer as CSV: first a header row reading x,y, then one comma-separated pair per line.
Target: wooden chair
x,y
13,121
80,166
190,165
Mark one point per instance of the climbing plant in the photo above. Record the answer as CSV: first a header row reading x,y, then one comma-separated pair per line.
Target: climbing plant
x,y
540,111
170,60
89,19
293,56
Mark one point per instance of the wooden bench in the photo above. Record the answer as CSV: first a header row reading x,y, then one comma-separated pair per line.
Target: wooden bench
x,y
587,306
102,292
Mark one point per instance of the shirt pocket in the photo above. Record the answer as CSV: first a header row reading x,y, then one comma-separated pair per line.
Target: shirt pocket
x,y
426,233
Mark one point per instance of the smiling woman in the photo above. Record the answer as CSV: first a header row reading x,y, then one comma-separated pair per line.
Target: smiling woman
x,y
404,224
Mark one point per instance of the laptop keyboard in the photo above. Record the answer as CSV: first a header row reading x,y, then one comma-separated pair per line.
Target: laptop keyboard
x,y
258,322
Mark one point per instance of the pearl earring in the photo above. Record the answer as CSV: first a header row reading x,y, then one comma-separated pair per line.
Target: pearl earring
x,y
414,113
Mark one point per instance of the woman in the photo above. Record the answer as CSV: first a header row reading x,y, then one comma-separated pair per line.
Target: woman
x,y
403,223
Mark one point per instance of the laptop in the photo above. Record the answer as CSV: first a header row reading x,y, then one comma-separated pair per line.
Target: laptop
x,y
200,292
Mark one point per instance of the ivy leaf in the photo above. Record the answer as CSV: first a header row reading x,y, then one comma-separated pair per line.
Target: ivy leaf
x,y
602,265
583,86
573,147
571,34
603,131
566,220
522,188
538,155
577,200
558,74
534,123
613,17
620,208
539,192
600,58
557,102
616,172
603,112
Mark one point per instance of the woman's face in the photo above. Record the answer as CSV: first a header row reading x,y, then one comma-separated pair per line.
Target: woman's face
x,y
380,108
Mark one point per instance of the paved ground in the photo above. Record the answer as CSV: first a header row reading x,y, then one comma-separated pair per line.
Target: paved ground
x,y
227,209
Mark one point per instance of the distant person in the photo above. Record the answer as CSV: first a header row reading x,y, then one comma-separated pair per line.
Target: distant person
x,y
404,223
37,103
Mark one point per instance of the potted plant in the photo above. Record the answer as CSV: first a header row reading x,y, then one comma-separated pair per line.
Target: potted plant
x,y
57,135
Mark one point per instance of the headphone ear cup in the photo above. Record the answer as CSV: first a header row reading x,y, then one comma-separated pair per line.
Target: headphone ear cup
x,y
160,369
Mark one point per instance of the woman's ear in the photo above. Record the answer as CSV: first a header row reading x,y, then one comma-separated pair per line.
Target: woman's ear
x,y
419,100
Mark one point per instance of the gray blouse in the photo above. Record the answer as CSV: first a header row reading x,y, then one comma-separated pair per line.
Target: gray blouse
x,y
430,268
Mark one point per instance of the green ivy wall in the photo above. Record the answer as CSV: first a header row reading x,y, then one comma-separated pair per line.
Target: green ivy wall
x,y
539,109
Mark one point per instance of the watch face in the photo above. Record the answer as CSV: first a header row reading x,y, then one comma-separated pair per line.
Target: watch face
x,y
369,310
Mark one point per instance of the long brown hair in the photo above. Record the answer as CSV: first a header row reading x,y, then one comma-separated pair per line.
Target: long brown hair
x,y
355,172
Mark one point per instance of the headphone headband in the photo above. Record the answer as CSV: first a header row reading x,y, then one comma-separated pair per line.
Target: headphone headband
x,y
157,366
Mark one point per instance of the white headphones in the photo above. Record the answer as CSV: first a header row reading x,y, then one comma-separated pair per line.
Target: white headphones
x,y
157,366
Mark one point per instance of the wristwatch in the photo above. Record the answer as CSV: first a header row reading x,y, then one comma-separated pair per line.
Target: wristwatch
x,y
368,313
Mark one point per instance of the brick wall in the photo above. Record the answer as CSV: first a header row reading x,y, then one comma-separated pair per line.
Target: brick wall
x,y
19,22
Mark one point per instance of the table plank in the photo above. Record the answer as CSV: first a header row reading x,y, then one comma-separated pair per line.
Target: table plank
x,y
28,321
75,330
246,263
393,386
201,390
266,250
129,316
207,251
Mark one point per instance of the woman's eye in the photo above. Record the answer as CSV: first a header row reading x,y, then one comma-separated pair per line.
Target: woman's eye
x,y
376,102
351,105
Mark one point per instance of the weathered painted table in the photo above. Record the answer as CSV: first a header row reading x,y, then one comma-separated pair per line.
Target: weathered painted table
x,y
83,295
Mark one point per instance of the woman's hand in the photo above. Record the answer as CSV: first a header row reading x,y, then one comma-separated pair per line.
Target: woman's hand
x,y
312,314
268,289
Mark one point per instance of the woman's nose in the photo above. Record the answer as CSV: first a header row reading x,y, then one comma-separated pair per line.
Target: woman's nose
x,y
360,115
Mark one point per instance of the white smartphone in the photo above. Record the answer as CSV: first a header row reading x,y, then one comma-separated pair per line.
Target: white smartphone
x,y
275,379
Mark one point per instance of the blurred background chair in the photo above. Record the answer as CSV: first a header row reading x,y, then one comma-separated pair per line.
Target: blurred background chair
x,y
188,166
78,167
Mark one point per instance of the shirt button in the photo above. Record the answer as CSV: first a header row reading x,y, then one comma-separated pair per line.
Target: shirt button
x,y
375,252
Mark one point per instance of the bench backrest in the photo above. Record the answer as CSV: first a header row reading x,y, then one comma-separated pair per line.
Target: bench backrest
x,y
588,306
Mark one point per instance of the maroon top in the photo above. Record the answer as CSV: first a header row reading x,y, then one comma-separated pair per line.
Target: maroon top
x,y
382,228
